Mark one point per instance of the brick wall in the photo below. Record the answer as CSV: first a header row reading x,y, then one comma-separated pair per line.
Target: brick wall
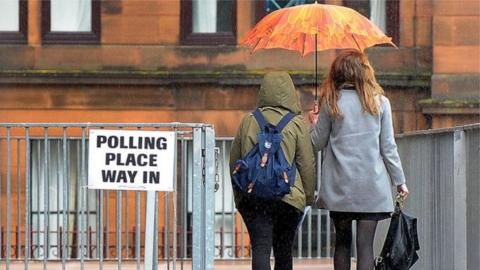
x,y
140,40
456,63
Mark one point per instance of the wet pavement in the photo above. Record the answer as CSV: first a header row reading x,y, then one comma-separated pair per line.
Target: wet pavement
x,y
299,264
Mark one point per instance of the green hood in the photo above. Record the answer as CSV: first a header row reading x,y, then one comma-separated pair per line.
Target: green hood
x,y
277,90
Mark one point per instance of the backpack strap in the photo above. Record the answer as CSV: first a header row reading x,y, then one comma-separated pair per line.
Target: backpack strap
x,y
284,121
260,119
281,124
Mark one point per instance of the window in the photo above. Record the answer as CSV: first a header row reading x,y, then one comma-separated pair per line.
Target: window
x,y
13,21
208,22
62,199
384,13
71,22
266,6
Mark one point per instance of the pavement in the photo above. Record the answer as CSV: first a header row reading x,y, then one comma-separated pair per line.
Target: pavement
x,y
299,264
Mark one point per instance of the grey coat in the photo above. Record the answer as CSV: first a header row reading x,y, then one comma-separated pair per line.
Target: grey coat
x,y
361,161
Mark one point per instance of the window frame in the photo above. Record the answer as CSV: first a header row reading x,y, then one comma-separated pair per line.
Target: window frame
x,y
393,20
187,37
61,37
20,36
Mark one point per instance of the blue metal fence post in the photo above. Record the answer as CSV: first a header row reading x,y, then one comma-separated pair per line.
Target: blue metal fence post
x,y
209,197
203,198
460,200
197,202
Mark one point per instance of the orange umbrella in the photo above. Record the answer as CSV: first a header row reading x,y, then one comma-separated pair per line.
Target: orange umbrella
x,y
315,27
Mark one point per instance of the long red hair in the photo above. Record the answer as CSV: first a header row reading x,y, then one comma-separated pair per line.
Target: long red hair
x,y
351,68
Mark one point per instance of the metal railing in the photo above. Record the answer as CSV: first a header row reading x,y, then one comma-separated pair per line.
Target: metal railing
x,y
442,169
48,214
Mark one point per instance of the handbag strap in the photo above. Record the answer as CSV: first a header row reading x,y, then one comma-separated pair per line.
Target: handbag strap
x,y
399,202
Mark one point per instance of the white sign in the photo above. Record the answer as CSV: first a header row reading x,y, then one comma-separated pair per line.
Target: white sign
x,y
131,160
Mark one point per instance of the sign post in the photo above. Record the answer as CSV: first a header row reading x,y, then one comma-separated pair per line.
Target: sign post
x,y
134,160
149,230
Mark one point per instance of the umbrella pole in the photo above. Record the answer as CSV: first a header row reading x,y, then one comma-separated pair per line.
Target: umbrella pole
x,y
316,76
358,46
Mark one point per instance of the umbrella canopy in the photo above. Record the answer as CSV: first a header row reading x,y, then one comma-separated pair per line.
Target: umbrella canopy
x,y
315,27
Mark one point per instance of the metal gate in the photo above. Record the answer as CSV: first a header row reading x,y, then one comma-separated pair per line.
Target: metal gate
x,y
48,216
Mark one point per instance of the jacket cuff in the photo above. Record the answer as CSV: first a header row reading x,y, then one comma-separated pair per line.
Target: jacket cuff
x,y
398,181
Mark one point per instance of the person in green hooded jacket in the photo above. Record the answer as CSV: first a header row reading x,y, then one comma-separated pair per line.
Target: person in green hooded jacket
x,y
273,224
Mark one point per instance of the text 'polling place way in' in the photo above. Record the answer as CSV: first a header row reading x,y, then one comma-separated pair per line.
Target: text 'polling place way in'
x,y
132,160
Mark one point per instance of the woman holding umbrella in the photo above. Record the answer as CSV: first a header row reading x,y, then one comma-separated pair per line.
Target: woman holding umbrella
x,y
354,128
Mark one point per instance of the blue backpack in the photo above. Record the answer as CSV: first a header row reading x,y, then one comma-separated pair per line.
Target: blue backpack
x,y
264,172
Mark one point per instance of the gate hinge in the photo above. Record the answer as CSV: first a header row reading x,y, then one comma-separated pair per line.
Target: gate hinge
x,y
217,171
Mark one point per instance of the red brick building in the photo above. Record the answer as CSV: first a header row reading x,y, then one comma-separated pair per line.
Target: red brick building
x,y
141,61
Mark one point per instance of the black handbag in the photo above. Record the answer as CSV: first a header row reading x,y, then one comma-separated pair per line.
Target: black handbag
x,y
399,251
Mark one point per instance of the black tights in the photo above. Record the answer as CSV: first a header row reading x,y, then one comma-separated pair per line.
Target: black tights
x,y
343,243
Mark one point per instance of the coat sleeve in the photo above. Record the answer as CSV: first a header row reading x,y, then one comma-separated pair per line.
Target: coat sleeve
x,y
388,147
306,162
236,154
320,132
236,149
